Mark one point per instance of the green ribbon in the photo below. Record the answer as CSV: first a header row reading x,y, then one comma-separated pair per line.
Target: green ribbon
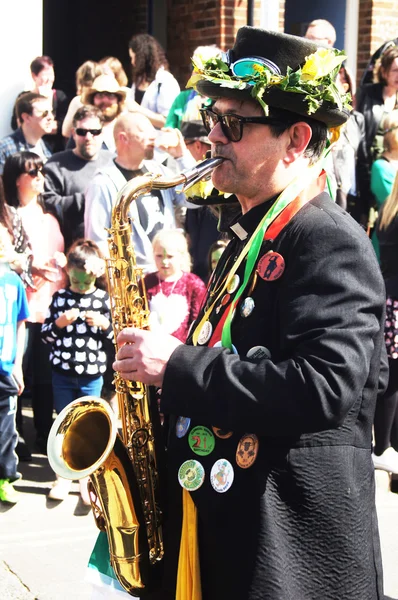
x,y
284,199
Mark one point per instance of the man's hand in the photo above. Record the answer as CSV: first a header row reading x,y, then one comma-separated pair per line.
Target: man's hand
x,y
171,141
143,355
18,377
67,317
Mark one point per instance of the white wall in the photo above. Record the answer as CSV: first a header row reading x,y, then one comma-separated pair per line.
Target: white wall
x,y
21,40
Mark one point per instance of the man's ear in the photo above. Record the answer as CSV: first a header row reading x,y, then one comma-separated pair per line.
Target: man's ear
x,y
299,137
23,116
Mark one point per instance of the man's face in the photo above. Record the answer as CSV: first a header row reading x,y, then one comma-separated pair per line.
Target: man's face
x,y
41,121
197,148
108,103
319,35
250,165
88,144
141,140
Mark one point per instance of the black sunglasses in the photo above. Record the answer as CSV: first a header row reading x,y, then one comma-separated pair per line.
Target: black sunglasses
x,y
44,114
83,132
232,125
34,171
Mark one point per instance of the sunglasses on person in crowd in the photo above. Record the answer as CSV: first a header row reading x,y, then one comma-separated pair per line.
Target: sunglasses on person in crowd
x,y
232,125
83,132
34,171
44,113
109,95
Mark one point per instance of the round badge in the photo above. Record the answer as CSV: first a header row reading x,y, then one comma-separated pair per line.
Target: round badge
x,y
219,345
201,440
222,475
247,450
205,333
233,284
222,433
258,352
182,426
191,475
225,299
271,266
247,307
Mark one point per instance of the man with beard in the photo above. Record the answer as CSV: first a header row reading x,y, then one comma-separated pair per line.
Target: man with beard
x,y
135,143
67,173
106,95
35,114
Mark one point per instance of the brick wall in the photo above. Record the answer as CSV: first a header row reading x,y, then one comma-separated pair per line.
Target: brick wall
x,y
192,23
378,22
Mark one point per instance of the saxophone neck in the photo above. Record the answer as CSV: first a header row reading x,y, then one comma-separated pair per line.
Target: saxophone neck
x,y
144,184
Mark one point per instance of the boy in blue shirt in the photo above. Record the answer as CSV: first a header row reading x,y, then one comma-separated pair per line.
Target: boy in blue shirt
x,y
13,312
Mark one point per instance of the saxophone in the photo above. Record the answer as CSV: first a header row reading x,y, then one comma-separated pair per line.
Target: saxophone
x,y
84,439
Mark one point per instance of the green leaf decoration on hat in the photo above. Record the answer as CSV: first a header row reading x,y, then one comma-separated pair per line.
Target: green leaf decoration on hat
x,y
315,80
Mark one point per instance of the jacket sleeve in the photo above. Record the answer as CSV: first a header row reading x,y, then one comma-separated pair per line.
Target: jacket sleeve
x,y
328,318
49,330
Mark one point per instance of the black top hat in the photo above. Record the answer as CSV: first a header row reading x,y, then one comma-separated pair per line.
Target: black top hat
x,y
276,52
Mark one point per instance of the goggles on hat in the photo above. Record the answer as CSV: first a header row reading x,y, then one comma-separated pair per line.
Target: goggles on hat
x,y
245,67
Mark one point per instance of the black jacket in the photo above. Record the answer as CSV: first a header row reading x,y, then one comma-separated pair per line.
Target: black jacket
x,y
300,523
370,103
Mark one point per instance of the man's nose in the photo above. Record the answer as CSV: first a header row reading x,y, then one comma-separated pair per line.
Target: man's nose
x,y
216,135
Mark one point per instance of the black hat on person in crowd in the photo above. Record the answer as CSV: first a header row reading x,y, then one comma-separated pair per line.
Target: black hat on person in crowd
x,y
194,130
276,52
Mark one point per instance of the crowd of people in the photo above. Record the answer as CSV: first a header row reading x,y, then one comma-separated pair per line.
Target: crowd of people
x,y
62,169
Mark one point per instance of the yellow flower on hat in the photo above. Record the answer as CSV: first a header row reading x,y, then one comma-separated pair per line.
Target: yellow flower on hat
x,y
320,63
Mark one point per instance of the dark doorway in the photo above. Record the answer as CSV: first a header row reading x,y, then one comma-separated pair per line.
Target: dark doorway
x,y
78,30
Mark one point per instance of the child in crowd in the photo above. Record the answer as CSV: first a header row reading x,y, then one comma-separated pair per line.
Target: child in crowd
x,y
13,312
215,252
77,324
174,294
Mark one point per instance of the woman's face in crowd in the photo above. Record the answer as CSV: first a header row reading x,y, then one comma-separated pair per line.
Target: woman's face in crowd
x,y
391,76
45,78
30,183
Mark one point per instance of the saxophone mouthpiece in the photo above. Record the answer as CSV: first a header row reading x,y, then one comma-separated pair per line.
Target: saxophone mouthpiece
x,y
200,172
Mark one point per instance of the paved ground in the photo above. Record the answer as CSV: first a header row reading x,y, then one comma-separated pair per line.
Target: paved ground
x,y
44,545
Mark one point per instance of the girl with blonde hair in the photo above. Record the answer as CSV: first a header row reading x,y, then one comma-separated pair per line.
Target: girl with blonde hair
x,y
174,293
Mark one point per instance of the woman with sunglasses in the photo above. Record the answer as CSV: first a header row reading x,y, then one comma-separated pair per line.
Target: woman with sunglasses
x,y
23,185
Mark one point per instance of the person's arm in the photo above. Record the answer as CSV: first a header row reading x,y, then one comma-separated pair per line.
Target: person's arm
x,y
362,172
156,119
197,297
160,94
67,125
17,370
97,213
62,109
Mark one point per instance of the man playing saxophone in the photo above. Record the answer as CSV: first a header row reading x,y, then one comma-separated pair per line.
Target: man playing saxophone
x,y
270,402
